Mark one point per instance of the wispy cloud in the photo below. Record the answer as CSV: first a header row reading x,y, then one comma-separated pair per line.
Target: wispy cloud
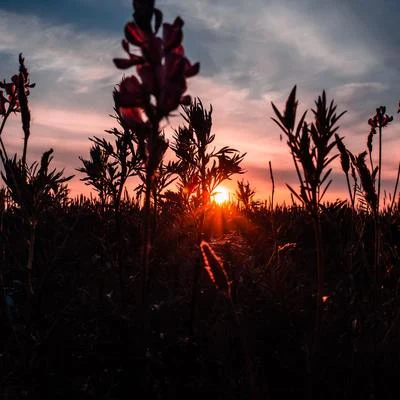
x,y
77,58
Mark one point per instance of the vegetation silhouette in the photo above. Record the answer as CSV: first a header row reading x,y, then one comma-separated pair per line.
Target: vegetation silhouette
x,y
130,292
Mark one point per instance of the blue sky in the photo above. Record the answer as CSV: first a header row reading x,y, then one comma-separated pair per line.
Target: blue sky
x,y
251,53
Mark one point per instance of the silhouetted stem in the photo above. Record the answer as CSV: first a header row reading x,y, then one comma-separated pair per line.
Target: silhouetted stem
x,y
29,265
25,149
377,246
350,192
395,189
146,240
379,167
117,209
370,160
154,219
273,186
119,251
197,267
320,281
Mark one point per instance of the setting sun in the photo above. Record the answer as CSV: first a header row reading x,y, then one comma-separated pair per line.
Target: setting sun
x,y
221,195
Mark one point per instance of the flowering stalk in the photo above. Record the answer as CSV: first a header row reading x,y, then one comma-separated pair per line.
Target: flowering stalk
x,y
379,121
15,100
143,101
31,186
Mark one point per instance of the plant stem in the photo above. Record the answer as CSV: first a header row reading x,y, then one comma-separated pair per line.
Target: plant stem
x,y
273,186
379,167
119,251
29,265
320,281
350,192
146,240
395,189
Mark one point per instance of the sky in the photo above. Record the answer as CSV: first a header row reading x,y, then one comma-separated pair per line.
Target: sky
x,y
251,53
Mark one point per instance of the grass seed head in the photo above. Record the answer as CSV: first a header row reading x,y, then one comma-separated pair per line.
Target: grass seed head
x,y
215,268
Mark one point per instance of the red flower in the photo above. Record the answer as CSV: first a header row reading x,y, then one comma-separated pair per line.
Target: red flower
x,y
11,90
162,66
123,63
3,102
172,34
380,119
130,93
135,35
143,14
133,117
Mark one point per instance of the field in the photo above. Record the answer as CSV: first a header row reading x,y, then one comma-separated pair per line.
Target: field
x,y
77,338
177,289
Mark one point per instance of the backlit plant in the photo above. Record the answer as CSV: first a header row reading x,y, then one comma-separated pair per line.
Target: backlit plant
x,y
311,148
32,187
145,99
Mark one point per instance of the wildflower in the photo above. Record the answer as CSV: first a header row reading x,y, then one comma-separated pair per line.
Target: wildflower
x,y
14,93
162,66
380,119
3,102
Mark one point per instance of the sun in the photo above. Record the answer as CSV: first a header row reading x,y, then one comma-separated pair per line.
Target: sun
x,y
221,195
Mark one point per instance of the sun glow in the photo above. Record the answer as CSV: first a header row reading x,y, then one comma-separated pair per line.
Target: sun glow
x,y
221,195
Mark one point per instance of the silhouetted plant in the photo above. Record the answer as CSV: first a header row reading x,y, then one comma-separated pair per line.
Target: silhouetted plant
x,y
379,121
345,164
16,101
271,174
164,177
32,187
97,173
143,101
111,164
201,169
311,146
367,180
371,191
245,194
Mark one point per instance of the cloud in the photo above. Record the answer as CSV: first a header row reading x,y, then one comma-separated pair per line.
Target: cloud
x,y
77,59
263,44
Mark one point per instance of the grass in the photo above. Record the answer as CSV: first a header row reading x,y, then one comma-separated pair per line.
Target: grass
x,y
82,343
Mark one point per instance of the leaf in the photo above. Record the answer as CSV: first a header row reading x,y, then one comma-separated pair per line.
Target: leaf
x,y
294,193
290,109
